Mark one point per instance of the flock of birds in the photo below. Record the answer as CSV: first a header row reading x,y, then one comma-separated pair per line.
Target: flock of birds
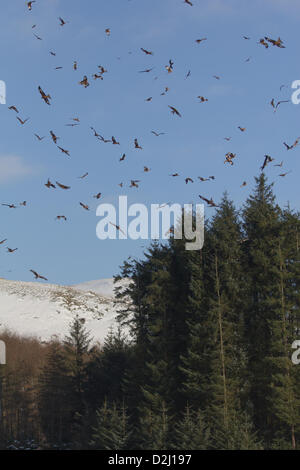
x,y
230,157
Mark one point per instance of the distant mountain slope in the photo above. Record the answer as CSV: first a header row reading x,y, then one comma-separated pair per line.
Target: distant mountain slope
x,y
46,310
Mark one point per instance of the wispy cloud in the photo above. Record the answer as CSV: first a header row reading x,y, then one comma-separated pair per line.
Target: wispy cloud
x,y
13,168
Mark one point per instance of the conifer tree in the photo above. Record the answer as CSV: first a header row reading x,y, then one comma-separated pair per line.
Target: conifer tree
x,y
191,432
54,397
112,431
263,303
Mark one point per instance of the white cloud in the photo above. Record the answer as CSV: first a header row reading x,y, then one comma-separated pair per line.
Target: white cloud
x,y
13,168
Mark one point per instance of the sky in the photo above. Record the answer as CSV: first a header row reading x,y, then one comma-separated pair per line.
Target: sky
x,y
193,145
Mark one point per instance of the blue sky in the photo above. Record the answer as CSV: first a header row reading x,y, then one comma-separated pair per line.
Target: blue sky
x,y
192,146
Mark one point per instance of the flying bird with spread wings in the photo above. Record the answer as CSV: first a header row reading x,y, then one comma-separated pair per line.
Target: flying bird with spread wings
x,y
62,22
13,108
86,207
267,160
45,97
291,147
21,121
37,275
54,137
12,250
50,185
62,186
84,82
175,111
64,151
146,52
275,105
136,145
10,206
229,157
39,138
209,202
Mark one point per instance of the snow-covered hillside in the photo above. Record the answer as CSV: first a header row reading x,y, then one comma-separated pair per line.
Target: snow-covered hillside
x,y
104,287
46,310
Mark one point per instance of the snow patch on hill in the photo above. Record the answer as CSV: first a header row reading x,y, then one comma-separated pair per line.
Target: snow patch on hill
x,y
46,310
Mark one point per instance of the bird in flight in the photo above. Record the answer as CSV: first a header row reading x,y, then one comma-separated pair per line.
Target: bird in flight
x,y
39,138
188,2
61,217
290,147
165,91
267,160
275,42
133,183
275,105
29,4
37,275
202,99
84,82
21,121
13,108
146,52
170,66
37,37
84,206
11,250
83,176
264,43
229,157
146,71
64,151
136,145
242,129
96,76
62,186
175,111
209,202
198,41
204,179
157,134
10,206
114,141
97,196
62,21
118,228
49,184
45,97
54,137
188,180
